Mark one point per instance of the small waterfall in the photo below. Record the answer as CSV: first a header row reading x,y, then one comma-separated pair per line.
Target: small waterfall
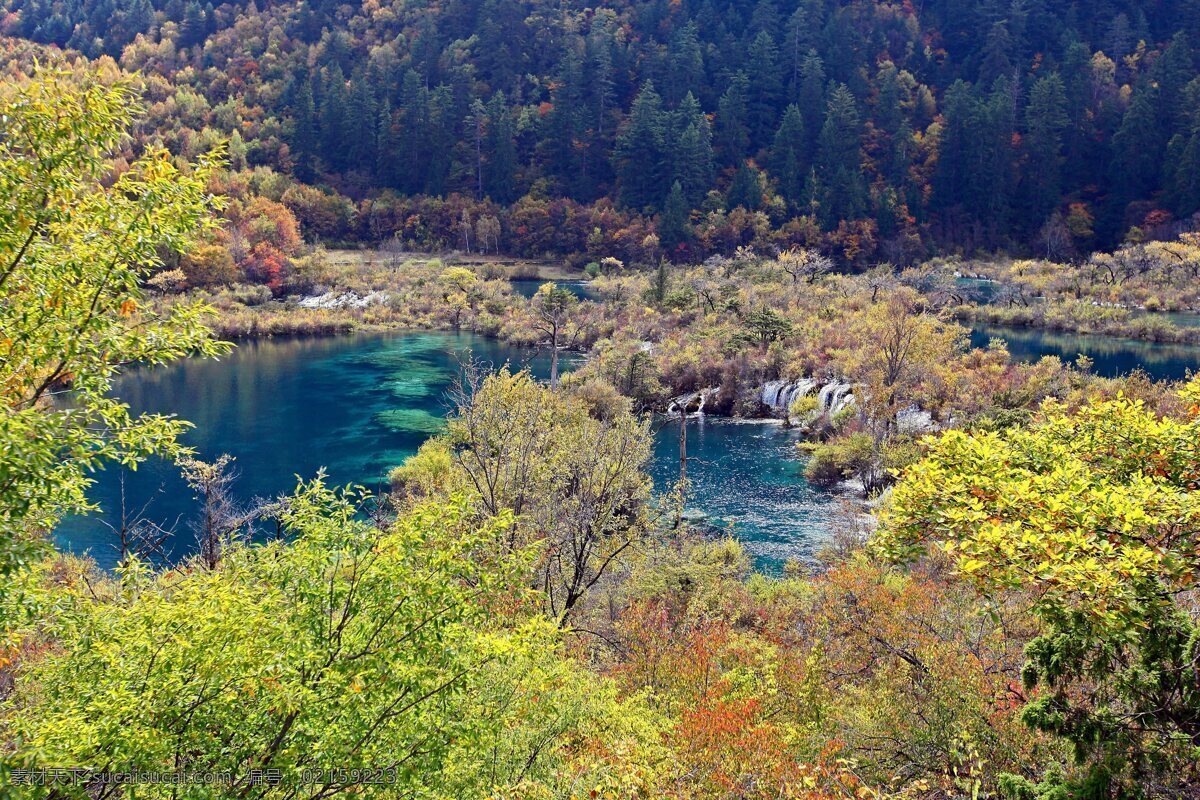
x,y
824,396
779,395
837,398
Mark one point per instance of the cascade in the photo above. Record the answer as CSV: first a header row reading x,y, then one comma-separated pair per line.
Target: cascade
x,y
779,395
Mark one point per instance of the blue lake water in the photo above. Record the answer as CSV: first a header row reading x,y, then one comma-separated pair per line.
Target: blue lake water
x,y
1111,356
359,405
746,478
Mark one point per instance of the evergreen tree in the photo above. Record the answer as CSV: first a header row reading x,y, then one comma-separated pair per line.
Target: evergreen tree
x,y
839,160
733,131
685,70
798,40
500,164
640,152
812,99
1045,121
746,191
1138,145
996,62
787,157
1183,158
333,118
993,184
194,27
439,139
601,77
673,227
693,154
410,127
361,124
304,131
765,88
957,145
387,147
1172,72
566,128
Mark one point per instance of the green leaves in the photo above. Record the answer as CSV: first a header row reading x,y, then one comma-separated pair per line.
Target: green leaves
x,y
77,240
346,647
1094,514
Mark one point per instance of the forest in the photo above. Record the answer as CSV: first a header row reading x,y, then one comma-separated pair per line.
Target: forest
x,y
870,131
697,400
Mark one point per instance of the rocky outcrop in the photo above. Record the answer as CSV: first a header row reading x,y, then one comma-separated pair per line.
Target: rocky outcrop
x,y
690,404
343,300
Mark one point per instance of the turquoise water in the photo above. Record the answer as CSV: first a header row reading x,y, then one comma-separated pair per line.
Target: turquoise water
x,y
1182,319
527,287
359,405
1111,356
745,477
979,290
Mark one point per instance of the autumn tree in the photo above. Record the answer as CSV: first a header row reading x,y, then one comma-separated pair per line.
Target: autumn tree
x,y
899,347
574,482
369,647
806,264
553,305
1093,514
77,240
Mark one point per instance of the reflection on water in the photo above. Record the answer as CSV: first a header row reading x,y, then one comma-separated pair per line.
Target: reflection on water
x,y
359,405
1111,356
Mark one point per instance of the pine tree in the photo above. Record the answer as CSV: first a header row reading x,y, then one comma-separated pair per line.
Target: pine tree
x,y
410,126
765,89
565,128
387,147
500,165
193,29
839,160
439,139
957,146
693,153
733,131
996,62
746,191
304,131
1172,72
812,99
993,184
1045,121
787,158
798,40
1183,158
1138,145
361,124
673,227
333,118
640,152
685,71
600,79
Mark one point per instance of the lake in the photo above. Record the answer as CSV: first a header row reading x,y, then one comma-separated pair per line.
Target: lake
x,y
1111,356
527,287
359,405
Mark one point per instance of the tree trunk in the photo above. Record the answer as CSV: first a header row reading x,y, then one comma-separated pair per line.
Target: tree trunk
x,y
554,359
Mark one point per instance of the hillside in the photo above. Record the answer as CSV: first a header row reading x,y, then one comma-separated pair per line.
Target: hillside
x,y
873,131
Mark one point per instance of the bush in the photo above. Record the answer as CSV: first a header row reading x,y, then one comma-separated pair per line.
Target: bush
x,y
834,462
